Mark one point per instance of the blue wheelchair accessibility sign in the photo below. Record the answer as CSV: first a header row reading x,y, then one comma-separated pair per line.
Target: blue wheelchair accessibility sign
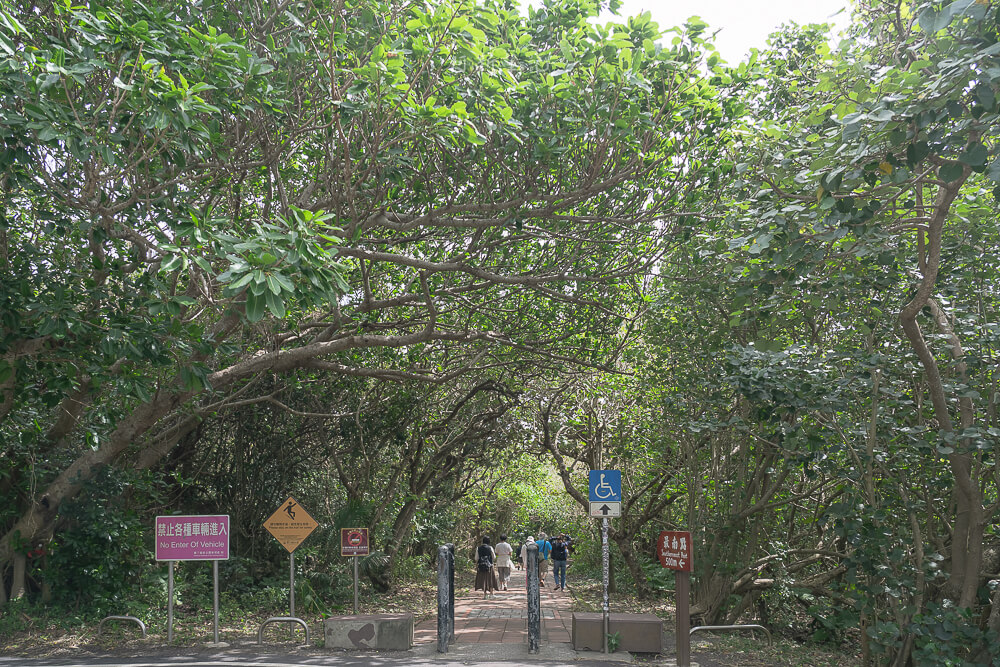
x,y
606,486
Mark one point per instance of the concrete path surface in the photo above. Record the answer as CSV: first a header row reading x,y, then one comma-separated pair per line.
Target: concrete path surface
x,y
503,619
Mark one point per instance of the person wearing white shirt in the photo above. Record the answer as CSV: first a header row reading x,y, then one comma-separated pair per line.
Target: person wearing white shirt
x,y
504,552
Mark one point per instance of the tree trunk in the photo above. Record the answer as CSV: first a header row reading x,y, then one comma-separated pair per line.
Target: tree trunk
x,y
38,521
401,526
624,543
967,535
17,587
711,593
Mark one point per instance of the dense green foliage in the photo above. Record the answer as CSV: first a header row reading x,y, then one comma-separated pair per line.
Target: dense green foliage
x,y
424,265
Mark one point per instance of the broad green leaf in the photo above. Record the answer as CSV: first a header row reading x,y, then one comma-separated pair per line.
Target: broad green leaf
x,y
916,153
285,283
275,303
950,172
171,263
256,306
974,156
994,170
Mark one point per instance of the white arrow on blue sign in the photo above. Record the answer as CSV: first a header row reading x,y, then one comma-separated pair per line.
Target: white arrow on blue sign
x,y
606,486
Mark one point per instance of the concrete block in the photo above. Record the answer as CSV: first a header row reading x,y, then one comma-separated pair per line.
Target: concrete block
x,y
639,633
385,632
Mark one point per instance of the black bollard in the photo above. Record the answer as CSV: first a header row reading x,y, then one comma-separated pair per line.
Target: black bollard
x,y
444,633
534,599
451,594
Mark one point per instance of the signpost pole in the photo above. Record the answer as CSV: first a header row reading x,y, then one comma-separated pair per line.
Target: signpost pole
x,y
605,501
291,583
605,557
191,537
170,601
356,585
683,585
354,542
215,598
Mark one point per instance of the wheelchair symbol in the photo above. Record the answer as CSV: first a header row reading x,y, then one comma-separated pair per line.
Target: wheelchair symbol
x,y
603,490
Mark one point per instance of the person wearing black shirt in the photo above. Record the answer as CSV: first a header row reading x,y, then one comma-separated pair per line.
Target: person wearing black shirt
x,y
486,574
560,554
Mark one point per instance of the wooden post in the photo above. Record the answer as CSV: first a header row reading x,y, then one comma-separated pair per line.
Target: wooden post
x,y
683,586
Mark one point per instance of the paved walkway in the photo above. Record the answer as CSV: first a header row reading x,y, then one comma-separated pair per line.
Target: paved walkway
x,y
503,619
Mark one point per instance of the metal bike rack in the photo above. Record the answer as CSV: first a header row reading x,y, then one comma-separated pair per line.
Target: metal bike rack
x,y
750,627
142,626
282,619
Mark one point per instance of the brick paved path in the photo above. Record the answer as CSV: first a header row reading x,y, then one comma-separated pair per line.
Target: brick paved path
x,y
503,619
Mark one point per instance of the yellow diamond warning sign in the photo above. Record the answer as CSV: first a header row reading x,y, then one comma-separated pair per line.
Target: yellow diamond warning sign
x,y
290,524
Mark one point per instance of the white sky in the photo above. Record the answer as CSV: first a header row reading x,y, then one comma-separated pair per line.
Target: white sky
x,y
742,24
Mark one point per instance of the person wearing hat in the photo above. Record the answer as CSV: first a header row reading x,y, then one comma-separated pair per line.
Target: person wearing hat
x,y
523,553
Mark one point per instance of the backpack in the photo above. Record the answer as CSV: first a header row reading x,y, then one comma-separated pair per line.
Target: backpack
x,y
485,563
559,551
544,547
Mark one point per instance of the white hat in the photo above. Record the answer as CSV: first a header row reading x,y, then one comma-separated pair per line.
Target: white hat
x,y
541,536
530,539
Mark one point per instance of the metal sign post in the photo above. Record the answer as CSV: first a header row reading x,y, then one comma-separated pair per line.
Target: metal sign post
x,y
605,501
605,558
356,585
290,524
215,600
291,584
354,542
170,601
192,537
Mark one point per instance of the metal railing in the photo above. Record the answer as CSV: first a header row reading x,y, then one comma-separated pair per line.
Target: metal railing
x,y
142,626
282,619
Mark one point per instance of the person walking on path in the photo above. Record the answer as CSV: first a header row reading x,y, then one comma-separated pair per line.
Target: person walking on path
x,y
486,575
523,556
544,549
560,554
503,551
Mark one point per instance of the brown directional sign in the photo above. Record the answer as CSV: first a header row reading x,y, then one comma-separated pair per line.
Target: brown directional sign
x,y
675,549
290,524
353,541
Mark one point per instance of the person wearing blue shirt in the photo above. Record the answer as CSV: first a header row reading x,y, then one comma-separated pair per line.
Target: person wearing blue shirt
x,y
544,549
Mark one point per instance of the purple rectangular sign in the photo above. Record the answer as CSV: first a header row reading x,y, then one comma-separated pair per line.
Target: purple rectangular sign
x,y
201,537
